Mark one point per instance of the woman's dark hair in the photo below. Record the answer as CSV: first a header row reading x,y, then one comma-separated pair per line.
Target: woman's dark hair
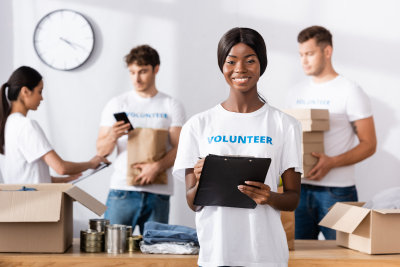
x,y
248,37
23,76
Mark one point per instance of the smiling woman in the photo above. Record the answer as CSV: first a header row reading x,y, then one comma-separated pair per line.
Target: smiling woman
x,y
244,125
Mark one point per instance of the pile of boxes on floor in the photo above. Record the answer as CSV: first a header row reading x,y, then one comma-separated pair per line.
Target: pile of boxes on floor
x,y
313,122
103,237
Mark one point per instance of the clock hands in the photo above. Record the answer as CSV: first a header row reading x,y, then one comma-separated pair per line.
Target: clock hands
x,y
72,44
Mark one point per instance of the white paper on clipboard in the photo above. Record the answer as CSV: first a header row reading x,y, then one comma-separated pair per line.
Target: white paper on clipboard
x,y
90,172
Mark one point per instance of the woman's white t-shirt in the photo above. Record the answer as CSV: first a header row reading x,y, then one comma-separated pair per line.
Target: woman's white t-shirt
x,y
24,144
236,236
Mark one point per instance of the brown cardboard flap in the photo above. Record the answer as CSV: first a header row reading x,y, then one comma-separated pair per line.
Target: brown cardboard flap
x,y
319,114
30,206
344,217
86,200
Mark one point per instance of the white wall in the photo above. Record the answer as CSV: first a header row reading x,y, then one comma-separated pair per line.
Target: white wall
x,y
186,33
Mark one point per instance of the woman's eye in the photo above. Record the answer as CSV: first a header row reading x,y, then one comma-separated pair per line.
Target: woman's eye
x,y
230,62
251,61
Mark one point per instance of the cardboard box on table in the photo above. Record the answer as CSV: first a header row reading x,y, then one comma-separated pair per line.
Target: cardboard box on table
x,y
42,220
365,230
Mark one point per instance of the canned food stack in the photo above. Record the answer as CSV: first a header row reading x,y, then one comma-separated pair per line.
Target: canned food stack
x,y
313,122
111,238
92,240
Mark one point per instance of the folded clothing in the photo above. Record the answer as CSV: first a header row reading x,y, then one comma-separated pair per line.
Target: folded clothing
x,y
170,248
155,232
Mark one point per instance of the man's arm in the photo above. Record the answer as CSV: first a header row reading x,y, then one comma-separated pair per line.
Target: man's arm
x,y
365,131
149,171
108,136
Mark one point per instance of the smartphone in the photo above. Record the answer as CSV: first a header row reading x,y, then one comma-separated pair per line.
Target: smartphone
x,y
121,116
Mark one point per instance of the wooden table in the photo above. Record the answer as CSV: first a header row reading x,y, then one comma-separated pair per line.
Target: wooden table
x,y
307,253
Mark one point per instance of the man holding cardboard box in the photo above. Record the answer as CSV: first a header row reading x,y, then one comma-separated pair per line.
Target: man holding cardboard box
x,y
332,178
142,183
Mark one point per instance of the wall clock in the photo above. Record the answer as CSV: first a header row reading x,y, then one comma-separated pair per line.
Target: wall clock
x,y
64,39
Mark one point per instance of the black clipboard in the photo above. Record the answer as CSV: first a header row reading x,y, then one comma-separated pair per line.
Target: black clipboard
x,y
221,176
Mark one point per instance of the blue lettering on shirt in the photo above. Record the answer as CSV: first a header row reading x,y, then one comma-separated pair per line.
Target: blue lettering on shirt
x,y
323,102
248,139
242,139
148,115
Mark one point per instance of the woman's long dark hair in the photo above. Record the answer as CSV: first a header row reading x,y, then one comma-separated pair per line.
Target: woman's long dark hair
x,y
249,37
23,76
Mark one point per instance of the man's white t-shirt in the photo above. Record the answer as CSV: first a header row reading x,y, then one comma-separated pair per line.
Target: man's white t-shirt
x,y
159,112
236,236
25,144
346,102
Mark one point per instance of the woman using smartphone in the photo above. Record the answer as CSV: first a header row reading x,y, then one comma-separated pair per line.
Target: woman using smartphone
x,y
27,152
238,236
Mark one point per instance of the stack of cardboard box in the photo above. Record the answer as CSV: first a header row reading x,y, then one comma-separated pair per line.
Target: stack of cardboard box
x,y
314,122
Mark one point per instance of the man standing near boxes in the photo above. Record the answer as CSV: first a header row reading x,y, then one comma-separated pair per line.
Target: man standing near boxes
x,y
332,179
133,202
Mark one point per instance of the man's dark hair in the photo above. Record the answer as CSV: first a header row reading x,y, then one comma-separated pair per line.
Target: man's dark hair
x,y
247,36
322,36
143,55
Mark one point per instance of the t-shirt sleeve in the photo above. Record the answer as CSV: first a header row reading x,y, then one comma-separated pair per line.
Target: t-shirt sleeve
x,y
291,152
358,105
33,143
188,152
107,118
178,116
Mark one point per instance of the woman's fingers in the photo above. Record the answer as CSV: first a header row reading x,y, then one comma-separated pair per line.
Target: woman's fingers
x,y
257,191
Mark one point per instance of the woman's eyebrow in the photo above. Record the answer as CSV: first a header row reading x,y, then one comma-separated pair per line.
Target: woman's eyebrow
x,y
250,55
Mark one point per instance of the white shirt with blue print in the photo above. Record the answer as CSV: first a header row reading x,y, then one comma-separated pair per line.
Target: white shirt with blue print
x,y
159,112
236,236
346,102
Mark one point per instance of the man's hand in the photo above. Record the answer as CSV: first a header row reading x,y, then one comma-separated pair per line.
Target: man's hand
x,y
148,172
323,166
119,129
257,191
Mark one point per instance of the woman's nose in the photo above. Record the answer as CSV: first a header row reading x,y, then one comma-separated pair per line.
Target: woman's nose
x,y
240,67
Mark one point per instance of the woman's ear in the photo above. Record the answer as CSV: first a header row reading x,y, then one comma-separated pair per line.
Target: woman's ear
x,y
25,91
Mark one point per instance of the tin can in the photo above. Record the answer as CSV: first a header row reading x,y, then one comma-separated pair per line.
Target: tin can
x,y
115,238
92,241
98,224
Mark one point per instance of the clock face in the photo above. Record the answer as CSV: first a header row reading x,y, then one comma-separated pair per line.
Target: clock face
x,y
64,39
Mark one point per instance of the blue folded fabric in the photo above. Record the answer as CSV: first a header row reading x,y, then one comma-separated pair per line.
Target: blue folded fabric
x,y
155,232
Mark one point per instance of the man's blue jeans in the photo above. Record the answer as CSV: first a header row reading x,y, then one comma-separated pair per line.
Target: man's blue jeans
x,y
315,202
136,208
